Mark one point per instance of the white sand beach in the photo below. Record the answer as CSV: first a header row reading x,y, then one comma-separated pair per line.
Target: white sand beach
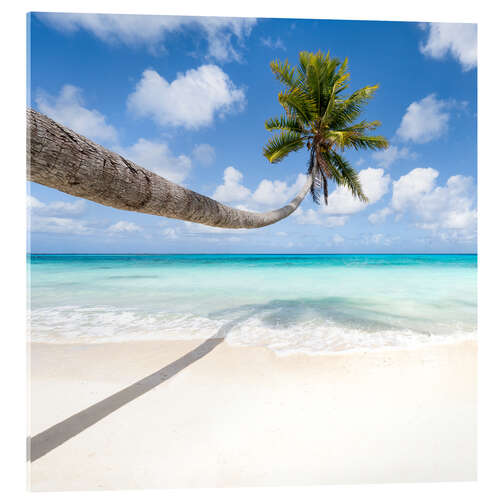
x,y
242,416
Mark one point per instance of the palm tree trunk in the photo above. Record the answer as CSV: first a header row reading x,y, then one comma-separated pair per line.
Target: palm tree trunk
x,y
61,159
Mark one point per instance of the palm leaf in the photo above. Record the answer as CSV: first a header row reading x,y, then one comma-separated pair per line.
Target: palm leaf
x,y
313,82
363,95
281,145
283,72
372,142
319,114
317,182
363,126
350,177
329,168
291,124
346,111
297,102
336,86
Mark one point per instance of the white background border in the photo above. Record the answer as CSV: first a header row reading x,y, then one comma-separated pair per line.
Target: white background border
x,y
13,403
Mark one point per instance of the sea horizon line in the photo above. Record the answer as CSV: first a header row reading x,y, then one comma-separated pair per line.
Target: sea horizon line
x,y
251,253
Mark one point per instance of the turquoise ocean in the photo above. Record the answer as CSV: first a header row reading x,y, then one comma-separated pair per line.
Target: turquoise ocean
x,y
317,304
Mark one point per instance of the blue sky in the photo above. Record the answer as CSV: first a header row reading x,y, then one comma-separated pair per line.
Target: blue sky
x,y
188,97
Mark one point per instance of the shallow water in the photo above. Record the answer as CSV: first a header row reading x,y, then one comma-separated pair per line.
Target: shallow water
x,y
311,303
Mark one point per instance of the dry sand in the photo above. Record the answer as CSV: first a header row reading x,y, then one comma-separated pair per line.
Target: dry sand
x,y
241,416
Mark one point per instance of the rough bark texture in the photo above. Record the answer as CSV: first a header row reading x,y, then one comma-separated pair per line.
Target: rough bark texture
x,y
61,159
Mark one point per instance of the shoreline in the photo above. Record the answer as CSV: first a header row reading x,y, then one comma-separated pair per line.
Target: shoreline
x,y
245,416
437,340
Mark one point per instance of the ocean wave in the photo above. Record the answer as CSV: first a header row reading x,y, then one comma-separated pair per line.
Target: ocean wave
x,y
79,324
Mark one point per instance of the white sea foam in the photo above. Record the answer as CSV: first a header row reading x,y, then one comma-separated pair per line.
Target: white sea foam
x,y
78,324
317,339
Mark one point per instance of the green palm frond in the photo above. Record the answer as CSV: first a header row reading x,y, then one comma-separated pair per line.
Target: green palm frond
x,y
343,68
341,114
362,96
339,138
291,124
363,126
347,110
355,139
319,114
283,72
281,145
313,82
330,168
337,87
317,182
372,142
297,102
350,177
332,83
317,75
304,58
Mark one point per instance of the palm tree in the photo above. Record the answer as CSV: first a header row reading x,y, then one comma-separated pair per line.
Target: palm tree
x,y
319,116
316,115
61,159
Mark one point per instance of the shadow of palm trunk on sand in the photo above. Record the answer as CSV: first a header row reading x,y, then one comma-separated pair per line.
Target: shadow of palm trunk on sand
x,y
283,312
54,436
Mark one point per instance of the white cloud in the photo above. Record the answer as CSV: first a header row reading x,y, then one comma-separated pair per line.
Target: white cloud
x,y
49,217
460,40
56,208
341,203
204,154
273,193
201,232
34,203
424,120
451,205
375,183
232,189
196,229
68,109
60,225
337,239
310,216
379,239
124,227
157,157
409,189
219,32
273,44
335,220
386,157
380,215
277,192
63,207
447,210
192,100
151,31
170,233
